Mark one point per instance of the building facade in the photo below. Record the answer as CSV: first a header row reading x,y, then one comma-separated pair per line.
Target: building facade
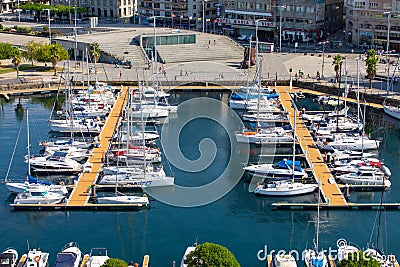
x,y
370,23
297,21
123,9
180,13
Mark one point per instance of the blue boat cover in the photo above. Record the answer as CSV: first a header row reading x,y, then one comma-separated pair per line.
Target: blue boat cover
x,y
65,259
270,96
317,262
289,163
33,180
242,96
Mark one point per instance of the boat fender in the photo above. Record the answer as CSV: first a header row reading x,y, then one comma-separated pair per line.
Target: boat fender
x,y
36,258
62,183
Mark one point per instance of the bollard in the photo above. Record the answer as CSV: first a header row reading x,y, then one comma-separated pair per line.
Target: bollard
x,y
173,263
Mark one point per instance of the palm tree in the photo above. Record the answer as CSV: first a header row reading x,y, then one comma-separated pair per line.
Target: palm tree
x,y
337,61
57,53
371,63
16,58
17,62
94,51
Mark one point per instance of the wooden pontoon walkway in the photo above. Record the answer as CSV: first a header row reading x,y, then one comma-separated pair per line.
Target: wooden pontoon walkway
x,y
351,100
331,192
81,192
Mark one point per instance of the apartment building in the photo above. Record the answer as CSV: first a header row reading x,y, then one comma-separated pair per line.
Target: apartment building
x,y
370,23
123,9
179,13
297,21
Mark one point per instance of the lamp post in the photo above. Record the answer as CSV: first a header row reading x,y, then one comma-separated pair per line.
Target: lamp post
x,y
280,26
323,58
19,12
48,16
155,46
257,63
204,1
69,11
387,47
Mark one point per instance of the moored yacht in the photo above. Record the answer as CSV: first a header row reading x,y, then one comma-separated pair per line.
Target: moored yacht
x,y
97,257
9,257
38,197
284,188
59,162
36,258
70,256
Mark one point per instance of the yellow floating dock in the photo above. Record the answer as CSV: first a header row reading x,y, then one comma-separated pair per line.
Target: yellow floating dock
x,y
331,192
80,194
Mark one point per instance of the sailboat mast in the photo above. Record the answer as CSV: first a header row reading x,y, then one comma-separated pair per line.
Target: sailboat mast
x,y
28,142
346,89
358,91
318,218
294,139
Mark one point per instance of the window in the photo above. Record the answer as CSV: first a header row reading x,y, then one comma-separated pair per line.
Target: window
x,y
387,6
373,5
359,4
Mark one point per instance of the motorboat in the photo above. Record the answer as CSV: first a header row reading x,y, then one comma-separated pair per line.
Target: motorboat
x,y
365,177
284,260
70,256
282,169
36,258
284,188
120,198
97,257
274,135
188,250
150,93
9,257
38,197
59,162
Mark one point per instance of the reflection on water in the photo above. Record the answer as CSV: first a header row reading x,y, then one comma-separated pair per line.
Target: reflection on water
x,y
240,220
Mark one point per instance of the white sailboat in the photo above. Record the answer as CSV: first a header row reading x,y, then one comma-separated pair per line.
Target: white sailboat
x,y
38,197
31,183
288,187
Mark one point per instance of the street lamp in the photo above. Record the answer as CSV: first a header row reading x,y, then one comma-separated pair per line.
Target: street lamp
x,y
387,47
48,16
280,26
204,1
155,46
323,58
257,63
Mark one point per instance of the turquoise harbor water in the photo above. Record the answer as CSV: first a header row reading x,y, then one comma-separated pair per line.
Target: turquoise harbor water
x,y
241,221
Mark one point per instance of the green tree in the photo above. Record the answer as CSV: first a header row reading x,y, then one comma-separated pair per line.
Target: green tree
x,y
7,51
371,63
94,51
53,53
359,259
30,49
17,60
114,262
211,255
337,61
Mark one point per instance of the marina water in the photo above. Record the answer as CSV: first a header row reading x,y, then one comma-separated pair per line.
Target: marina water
x,y
241,221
